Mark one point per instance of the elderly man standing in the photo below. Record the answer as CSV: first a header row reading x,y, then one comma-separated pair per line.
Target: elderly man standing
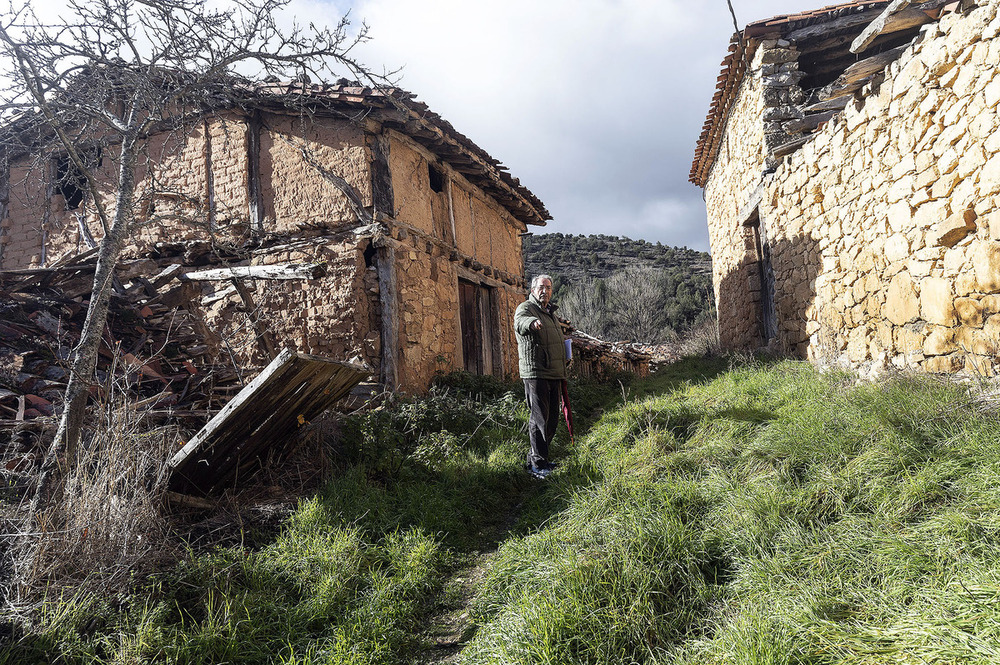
x,y
542,356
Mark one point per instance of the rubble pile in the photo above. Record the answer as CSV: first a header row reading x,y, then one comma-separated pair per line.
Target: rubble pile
x,y
151,342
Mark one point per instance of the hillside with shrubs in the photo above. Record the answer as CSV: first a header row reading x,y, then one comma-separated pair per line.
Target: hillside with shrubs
x,y
622,289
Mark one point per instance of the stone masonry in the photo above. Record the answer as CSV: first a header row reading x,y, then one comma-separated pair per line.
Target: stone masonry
x,y
883,229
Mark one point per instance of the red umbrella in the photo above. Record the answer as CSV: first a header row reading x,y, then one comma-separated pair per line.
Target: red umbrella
x,y
567,412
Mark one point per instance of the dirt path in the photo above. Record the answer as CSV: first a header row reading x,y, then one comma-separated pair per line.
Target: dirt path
x,y
451,627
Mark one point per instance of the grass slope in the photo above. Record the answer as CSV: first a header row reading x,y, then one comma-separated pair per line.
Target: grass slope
x,y
764,514
773,515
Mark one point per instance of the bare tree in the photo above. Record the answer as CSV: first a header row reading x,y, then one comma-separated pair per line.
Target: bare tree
x,y
115,72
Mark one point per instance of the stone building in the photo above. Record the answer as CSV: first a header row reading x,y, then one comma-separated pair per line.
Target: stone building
x,y
416,230
851,167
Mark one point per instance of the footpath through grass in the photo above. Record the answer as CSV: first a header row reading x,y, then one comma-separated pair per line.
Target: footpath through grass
x,y
764,514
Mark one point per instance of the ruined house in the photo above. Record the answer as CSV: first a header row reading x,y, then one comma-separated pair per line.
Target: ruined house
x,y
851,168
400,238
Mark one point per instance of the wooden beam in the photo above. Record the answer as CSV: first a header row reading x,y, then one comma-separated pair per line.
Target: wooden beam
x,y
791,146
834,104
263,336
385,258
827,28
808,123
275,271
897,16
869,66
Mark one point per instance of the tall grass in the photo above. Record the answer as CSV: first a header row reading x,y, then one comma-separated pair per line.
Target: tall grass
x,y
774,515
762,512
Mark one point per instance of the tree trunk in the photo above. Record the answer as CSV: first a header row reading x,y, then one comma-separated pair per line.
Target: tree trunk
x,y
62,453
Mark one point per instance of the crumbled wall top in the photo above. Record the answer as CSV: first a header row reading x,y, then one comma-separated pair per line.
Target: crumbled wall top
x,y
821,40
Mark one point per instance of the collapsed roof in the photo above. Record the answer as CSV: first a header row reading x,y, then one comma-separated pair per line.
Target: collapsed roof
x,y
391,107
840,48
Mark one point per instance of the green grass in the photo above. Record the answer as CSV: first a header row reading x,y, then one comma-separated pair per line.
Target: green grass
x,y
773,515
744,513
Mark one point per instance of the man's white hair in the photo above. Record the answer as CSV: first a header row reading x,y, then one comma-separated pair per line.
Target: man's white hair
x,y
537,279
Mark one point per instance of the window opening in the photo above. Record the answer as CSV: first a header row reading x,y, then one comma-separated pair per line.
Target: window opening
x,y
436,178
70,181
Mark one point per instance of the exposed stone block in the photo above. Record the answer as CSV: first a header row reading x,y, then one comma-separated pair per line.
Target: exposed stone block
x,y
944,364
954,229
902,304
936,301
970,312
986,263
940,341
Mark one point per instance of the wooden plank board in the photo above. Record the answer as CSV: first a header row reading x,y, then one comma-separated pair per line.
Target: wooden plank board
x,y
263,418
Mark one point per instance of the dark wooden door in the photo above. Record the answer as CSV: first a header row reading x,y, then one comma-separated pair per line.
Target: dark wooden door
x,y
472,338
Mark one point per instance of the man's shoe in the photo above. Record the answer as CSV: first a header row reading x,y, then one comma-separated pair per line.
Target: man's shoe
x,y
551,466
539,472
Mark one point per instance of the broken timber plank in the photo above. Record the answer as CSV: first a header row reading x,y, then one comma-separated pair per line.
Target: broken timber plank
x,y
869,66
276,271
897,16
809,123
263,417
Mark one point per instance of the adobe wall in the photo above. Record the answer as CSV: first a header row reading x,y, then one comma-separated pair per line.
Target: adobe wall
x,y
202,188
734,176
886,227
335,315
455,232
295,190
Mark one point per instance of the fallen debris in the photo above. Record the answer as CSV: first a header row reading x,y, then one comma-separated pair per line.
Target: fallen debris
x,y
262,420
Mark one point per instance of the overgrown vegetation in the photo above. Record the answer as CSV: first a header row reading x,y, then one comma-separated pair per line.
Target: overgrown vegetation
x,y
622,289
758,513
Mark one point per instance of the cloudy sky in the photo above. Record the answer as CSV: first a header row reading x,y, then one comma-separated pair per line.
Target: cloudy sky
x,y
596,105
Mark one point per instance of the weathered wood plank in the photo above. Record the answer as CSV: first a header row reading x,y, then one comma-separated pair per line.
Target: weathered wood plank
x,y
263,417
819,30
834,104
810,122
870,66
897,16
275,271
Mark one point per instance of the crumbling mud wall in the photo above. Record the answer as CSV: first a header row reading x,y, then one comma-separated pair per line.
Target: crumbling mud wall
x,y
885,228
450,230
301,161
334,316
305,192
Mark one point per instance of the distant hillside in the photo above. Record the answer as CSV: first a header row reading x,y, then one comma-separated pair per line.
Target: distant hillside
x,y
623,289
573,257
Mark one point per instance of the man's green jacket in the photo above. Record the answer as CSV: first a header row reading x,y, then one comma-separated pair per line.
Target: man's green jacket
x,y
542,353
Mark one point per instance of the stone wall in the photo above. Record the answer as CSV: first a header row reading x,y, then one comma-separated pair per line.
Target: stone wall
x,y
730,185
885,228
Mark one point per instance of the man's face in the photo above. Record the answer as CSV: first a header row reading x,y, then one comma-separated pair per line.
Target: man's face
x,y
543,291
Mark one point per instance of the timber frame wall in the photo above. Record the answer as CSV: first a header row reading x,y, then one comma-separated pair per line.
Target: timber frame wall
x,y
395,224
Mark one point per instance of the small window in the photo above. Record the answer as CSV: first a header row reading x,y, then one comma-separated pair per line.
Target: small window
x,y
70,182
436,178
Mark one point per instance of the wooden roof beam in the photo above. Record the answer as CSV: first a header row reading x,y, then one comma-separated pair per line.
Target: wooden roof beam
x,y
898,15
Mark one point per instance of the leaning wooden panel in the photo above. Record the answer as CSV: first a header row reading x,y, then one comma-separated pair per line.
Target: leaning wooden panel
x,y
262,419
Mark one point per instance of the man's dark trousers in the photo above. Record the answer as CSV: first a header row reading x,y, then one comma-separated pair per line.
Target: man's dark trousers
x,y
543,397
